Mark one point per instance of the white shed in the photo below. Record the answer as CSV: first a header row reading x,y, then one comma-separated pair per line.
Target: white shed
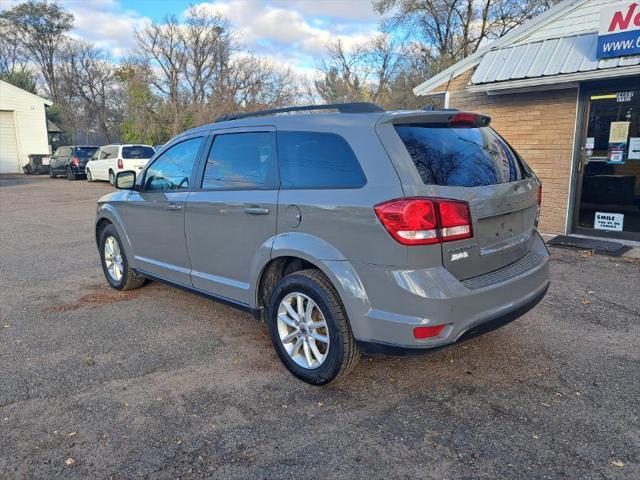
x,y
23,127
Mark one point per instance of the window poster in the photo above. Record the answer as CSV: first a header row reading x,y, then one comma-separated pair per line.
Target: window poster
x,y
619,131
634,148
608,221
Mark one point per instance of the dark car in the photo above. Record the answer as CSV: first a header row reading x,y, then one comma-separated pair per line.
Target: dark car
x,y
70,161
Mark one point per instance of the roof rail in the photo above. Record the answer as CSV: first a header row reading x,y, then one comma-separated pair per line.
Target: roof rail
x,y
432,108
354,107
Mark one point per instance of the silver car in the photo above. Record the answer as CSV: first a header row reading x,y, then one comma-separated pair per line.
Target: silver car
x,y
347,230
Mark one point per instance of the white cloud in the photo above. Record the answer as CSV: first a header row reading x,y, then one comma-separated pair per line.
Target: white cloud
x,y
106,24
290,32
271,29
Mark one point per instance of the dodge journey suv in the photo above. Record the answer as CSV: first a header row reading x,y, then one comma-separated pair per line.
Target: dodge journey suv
x,y
346,230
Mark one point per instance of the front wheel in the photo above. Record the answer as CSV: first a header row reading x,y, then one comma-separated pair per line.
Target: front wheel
x,y
89,177
309,328
70,174
114,262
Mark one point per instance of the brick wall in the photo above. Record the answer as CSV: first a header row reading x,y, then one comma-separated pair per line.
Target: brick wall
x,y
540,126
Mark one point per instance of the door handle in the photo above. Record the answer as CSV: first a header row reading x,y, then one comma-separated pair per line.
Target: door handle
x,y
256,211
174,206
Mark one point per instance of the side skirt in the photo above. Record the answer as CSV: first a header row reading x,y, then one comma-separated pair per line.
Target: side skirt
x,y
227,301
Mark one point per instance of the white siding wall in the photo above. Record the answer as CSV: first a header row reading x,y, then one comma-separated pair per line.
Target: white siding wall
x,y
30,124
583,18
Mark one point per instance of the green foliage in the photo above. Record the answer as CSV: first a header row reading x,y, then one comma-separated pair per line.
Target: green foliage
x,y
20,79
143,122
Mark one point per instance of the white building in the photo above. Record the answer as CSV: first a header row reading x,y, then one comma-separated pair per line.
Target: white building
x,y
23,127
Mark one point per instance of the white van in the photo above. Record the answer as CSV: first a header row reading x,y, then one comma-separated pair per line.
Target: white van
x,y
108,160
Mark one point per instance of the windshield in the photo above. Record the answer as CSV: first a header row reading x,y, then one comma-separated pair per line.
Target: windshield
x,y
465,157
138,151
84,153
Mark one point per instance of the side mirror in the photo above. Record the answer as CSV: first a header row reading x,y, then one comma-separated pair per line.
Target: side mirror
x,y
126,180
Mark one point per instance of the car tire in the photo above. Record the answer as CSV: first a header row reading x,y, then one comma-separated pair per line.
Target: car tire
x,y
336,357
112,178
89,177
51,173
70,175
114,262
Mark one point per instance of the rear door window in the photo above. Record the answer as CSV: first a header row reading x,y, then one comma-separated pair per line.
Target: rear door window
x,y
84,153
241,161
464,157
137,151
317,160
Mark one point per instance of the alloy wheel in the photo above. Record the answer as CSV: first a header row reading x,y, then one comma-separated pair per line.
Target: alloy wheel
x,y
113,258
303,330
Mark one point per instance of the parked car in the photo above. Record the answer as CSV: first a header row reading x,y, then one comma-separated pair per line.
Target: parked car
x,y
363,230
70,161
111,159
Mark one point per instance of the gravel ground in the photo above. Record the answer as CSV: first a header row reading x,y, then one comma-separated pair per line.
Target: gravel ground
x,y
160,383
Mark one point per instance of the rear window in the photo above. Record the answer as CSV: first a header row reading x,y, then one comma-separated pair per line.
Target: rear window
x,y
84,152
137,151
317,160
463,157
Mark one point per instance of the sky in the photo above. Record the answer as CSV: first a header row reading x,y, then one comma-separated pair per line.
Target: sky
x,y
288,32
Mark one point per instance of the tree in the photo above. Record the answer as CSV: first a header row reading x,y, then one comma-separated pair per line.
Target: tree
x,y
86,74
14,59
21,79
382,71
209,43
344,73
198,72
144,115
162,47
41,27
446,31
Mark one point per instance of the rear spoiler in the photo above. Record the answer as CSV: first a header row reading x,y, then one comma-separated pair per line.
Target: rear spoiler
x,y
437,118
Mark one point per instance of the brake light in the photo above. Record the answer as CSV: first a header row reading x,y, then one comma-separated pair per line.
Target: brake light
x,y
75,161
424,221
420,333
120,164
465,119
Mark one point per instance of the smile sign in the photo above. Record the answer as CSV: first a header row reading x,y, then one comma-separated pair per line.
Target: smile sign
x,y
619,32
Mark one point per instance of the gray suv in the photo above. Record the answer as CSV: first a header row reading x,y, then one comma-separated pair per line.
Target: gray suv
x,y
347,230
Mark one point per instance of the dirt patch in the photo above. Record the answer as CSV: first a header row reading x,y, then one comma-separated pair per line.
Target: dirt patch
x,y
95,299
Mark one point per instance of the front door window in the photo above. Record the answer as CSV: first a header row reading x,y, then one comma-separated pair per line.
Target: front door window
x,y
610,191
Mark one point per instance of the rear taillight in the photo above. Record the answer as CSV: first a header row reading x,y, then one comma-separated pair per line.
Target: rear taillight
x,y
75,161
424,221
120,164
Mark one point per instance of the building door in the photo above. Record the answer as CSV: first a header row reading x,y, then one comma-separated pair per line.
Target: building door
x,y
8,148
608,187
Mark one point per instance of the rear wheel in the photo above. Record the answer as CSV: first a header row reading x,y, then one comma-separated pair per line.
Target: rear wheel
x,y
309,328
51,173
114,262
112,177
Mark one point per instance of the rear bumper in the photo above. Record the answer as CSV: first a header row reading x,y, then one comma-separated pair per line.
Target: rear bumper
x,y
474,331
400,300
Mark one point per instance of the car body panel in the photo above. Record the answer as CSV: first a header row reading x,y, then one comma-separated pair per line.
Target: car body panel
x,y
223,238
211,244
